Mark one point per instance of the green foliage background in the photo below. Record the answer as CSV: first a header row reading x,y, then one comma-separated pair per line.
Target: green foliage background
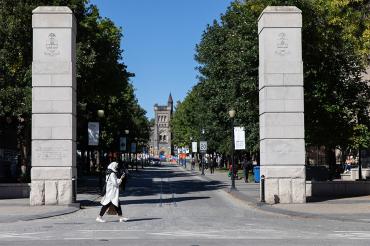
x,y
336,49
103,81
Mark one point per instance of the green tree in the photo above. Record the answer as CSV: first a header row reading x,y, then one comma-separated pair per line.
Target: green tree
x,y
335,53
102,79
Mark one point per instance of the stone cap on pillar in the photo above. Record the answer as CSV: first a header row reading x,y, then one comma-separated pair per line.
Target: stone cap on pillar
x,y
53,17
280,16
52,10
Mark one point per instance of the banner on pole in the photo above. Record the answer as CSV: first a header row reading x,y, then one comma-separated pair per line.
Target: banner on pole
x,y
194,147
122,143
133,147
239,138
93,133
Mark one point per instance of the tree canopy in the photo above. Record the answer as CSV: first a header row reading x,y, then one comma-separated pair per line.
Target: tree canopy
x,y
103,81
335,43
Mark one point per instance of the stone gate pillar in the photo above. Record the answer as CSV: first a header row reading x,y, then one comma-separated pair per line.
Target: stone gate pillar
x,y
281,106
53,106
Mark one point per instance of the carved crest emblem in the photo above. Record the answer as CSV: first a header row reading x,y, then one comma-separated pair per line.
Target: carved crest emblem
x,y
52,45
282,44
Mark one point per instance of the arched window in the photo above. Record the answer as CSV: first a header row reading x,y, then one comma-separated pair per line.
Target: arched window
x,y
164,137
160,137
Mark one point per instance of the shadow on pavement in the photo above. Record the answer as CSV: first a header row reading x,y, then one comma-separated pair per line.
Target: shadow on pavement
x,y
152,181
142,219
337,199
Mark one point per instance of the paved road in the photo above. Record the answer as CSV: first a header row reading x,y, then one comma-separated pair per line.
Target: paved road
x,y
168,206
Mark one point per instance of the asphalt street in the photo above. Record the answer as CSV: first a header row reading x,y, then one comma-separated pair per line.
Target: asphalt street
x,y
168,206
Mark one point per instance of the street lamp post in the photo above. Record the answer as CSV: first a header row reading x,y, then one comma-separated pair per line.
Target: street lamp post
x,y
100,114
142,154
135,154
232,116
201,158
126,148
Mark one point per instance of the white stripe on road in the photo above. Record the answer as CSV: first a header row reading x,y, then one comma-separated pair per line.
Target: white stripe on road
x,y
351,234
100,238
108,230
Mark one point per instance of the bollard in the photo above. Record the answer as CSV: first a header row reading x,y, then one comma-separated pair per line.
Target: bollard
x,y
74,190
263,188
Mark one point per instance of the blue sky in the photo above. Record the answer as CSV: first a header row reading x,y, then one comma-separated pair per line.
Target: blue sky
x,y
159,43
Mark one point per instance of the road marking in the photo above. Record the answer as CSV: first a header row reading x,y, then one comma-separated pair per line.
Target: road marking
x,y
351,234
26,235
100,238
160,194
108,230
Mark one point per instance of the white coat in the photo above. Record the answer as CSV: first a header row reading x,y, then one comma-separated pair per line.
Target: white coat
x,y
112,190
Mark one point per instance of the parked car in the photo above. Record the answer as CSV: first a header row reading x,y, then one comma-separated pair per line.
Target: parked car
x,y
155,161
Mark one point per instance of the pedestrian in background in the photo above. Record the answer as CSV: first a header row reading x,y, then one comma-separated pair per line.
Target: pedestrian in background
x,y
192,163
247,165
111,197
213,163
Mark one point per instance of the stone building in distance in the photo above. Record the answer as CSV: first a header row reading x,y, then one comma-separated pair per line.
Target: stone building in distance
x,y
161,137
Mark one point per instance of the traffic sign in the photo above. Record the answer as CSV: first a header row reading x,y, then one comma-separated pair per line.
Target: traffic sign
x,y
203,146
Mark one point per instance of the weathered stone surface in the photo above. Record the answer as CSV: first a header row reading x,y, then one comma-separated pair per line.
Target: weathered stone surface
x,y
281,104
282,125
298,190
51,192
285,190
55,153
274,50
53,126
272,67
40,80
272,190
280,79
292,171
280,16
64,192
53,16
53,173
50,68
53,103
282,151
53,100
281,99
37,195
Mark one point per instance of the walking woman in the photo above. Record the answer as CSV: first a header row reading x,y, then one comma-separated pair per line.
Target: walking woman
x,y
111,196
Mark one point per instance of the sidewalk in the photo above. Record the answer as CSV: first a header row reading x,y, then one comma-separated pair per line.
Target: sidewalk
x,y
356,209
13,210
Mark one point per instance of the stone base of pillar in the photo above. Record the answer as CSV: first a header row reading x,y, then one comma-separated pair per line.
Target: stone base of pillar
x,y
51,192
285,190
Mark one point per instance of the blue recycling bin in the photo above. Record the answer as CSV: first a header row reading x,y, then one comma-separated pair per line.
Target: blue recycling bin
x,y
256,172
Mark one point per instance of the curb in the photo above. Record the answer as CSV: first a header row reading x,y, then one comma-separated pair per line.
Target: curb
x,y
67,210
264,207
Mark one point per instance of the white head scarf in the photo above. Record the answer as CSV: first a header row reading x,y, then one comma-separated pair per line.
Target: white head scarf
x,y
113,166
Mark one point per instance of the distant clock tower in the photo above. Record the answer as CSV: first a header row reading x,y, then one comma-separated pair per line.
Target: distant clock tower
x,y
161,136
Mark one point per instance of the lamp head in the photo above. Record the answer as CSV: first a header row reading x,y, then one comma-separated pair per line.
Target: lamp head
x,y
100,113
232,113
